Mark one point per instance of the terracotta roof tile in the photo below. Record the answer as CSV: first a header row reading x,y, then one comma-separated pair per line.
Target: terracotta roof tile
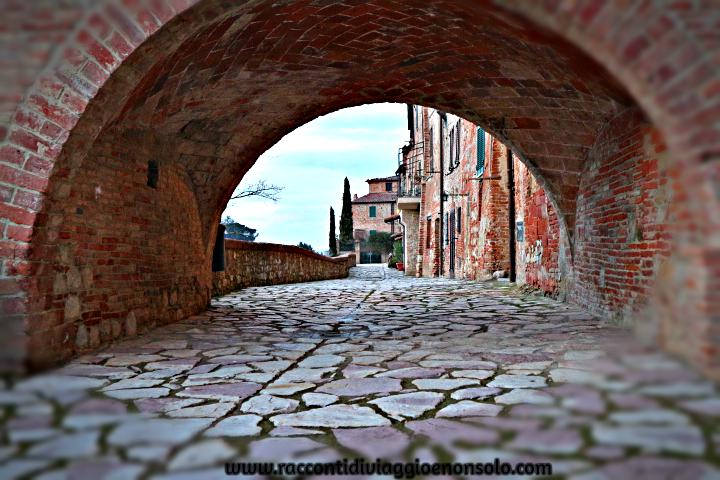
x,y
384,179
382,197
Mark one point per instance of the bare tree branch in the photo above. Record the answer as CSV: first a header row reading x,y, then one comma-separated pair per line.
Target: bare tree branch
x,y
260,189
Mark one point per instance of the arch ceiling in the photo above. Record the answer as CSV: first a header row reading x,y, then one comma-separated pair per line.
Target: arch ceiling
x,y
223,83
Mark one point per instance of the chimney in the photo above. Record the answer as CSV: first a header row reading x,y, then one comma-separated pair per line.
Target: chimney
x,y
355,196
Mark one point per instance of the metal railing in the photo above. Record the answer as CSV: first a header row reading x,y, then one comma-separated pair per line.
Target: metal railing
x,y
410,168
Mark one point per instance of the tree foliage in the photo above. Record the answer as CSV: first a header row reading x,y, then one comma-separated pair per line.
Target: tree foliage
x,y
238,231
346,219
305,246
331,237
379,242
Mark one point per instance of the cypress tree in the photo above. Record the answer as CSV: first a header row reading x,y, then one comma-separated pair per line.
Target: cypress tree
x,y
331,238
346,219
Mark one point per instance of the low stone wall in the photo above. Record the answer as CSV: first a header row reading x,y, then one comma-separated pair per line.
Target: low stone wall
x,y
249,264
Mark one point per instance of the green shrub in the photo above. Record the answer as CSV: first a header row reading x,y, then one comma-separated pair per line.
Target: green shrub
x,y
398,251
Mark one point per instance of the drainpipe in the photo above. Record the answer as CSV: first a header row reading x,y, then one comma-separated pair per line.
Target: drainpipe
x,y
511,213
443,120
404,232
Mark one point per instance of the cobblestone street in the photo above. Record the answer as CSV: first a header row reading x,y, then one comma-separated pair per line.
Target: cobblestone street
x,y
377,365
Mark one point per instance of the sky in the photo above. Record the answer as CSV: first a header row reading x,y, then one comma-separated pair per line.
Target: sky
x,y
311,164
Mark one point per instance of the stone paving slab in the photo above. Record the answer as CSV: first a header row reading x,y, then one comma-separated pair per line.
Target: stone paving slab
x,y
373,365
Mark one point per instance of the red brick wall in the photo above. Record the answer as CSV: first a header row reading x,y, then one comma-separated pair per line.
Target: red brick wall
x,y
483,245
363,223
430,206
126,256
625,208
459,182
538,255
379,187
492,250
250,264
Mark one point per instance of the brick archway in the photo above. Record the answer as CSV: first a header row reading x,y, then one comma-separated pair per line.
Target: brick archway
x,y
202,90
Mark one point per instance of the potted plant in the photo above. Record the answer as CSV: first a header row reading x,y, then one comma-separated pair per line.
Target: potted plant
x,y
398,255
391,261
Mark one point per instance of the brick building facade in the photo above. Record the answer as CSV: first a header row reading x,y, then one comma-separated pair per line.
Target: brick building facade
x,y
369,214
455,201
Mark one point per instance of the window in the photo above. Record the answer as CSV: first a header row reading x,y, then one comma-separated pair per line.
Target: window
x,y
388,187
373,212
480,151
373,231
459,220
153,174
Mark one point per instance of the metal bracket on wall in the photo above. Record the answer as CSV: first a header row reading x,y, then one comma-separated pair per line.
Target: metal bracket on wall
x,y
482,179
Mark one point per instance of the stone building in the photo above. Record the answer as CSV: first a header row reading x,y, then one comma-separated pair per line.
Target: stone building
x,y
459,212
369,214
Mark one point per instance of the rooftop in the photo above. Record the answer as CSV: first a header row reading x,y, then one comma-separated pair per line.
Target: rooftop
x,y
382,197
384,179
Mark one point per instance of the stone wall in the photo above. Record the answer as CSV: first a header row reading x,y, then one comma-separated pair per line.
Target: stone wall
x,y
250,264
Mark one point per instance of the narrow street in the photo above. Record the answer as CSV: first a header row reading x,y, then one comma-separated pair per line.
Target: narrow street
x,y
377,365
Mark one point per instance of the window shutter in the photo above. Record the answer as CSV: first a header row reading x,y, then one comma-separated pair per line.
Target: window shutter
x,y
451,158
480,151
373,212
458,138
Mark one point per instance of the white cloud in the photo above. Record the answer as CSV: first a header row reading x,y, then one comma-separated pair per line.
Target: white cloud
x,y
311,163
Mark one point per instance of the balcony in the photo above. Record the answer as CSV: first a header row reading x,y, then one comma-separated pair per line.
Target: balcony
x,y
410,165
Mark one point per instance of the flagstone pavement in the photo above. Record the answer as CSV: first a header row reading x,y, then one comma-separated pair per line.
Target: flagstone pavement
x,y
377,365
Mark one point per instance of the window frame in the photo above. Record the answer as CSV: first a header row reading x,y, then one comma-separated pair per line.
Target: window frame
x,y
481,147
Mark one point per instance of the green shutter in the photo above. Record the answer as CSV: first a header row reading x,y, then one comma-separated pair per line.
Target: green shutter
x,y
480,151
373,212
